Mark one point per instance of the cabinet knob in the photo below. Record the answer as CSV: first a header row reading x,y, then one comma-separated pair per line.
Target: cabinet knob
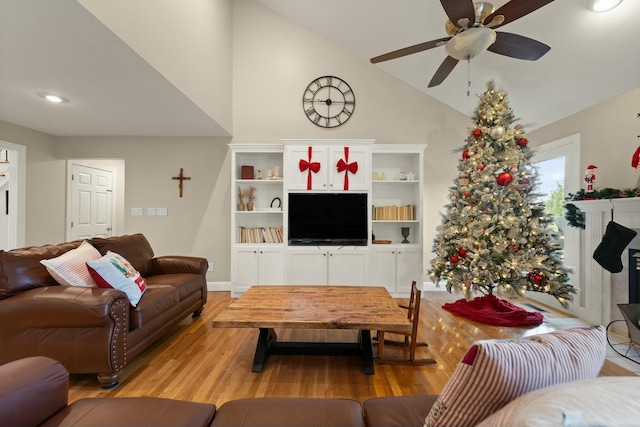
x,y
255,252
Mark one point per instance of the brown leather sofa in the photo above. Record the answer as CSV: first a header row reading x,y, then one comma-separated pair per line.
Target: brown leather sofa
x,y
34,392
94,330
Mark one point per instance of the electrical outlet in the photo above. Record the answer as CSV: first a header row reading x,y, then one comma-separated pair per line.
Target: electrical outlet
x,y
210,267
161,211
151,211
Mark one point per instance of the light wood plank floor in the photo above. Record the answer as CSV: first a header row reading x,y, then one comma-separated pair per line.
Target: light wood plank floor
x,y
203,364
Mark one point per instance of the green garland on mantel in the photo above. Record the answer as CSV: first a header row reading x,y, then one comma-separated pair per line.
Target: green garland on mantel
x,y
575,217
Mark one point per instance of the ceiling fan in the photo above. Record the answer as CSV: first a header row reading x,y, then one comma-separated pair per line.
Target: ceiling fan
x,y
471,31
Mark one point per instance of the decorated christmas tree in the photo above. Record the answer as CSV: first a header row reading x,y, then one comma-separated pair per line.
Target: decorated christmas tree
x,y
496,235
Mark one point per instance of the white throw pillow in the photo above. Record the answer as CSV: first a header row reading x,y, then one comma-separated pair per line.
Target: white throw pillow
x,y
70,268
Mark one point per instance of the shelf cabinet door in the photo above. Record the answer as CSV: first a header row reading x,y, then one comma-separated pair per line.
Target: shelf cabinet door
x,y
360,157
246,269
270,266
348,267
307,267
408,268
297,179
384,268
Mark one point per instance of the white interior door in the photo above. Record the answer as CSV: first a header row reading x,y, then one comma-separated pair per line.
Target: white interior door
x,y
91,197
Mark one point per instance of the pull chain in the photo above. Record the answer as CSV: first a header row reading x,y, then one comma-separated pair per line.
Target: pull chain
x,y
468,76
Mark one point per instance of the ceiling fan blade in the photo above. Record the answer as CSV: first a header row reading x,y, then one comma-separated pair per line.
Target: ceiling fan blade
x,y
517,46
457,9
516,9
443,71
410,50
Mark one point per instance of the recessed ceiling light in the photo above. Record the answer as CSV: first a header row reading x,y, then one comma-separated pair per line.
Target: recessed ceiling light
x,y
603,5
53,98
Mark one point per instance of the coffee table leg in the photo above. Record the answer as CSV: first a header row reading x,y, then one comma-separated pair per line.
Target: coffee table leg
x,y
367,351
266,337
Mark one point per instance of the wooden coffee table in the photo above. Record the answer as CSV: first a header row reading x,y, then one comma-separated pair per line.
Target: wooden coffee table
x,y
362,308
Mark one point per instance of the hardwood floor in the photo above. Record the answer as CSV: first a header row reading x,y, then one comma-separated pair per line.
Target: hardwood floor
x,y
204,364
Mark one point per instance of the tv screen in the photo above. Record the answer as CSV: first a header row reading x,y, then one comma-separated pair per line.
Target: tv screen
x,y
328,219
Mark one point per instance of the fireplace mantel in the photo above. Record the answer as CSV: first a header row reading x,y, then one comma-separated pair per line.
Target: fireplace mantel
x,y
600,290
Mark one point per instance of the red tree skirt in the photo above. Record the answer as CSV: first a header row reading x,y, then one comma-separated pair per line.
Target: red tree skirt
x,y
490,310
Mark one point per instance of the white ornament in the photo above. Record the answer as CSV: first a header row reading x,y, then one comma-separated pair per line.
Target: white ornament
x,y
496,132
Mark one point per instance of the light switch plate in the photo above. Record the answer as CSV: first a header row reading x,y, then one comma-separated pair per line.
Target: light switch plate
x,y
161,211
136,211
151,211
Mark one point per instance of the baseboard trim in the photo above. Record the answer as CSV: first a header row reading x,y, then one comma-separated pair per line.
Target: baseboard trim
x,y
218,286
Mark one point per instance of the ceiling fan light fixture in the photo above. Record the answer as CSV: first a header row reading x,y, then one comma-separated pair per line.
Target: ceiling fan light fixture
x,y
470,43
602,5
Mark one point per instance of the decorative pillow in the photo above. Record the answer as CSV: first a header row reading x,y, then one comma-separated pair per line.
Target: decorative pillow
x,y
603,401
494,372
70,268
114,271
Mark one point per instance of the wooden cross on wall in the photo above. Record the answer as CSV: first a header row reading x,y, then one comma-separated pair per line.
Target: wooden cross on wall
x,y
181,178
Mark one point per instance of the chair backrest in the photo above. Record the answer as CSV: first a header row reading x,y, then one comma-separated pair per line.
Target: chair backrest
x,y
413,312
631,314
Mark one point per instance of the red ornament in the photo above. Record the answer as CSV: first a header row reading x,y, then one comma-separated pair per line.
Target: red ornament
x,y
465,154
453,259
467,193
481,166
462,252
522,142
504,178
524,181
477,133
514,248
536,277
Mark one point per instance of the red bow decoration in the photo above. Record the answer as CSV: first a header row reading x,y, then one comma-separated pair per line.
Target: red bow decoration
x,y
310,167
346,167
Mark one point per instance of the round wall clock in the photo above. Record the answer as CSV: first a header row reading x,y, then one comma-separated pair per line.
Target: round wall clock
x,y
328,101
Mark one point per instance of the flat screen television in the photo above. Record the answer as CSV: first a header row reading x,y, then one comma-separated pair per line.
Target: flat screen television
x,y
336,219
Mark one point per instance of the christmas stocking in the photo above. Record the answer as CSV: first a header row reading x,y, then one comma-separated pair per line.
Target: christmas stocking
x,y
615,239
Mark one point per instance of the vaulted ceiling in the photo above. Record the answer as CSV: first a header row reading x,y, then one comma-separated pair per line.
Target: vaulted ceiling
x,y
59,46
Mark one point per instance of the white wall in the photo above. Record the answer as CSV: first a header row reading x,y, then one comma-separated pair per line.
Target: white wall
x,y
274,61
188,42
609,137
197,224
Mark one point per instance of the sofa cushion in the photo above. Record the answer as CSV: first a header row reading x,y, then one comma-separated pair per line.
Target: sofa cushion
x,y
157,301
494,372
397,411
135,248
289,412
133,411
21,268
70,268
186,284
113,271
604,401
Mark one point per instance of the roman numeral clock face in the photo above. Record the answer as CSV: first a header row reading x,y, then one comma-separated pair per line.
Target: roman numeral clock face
x,y
328,101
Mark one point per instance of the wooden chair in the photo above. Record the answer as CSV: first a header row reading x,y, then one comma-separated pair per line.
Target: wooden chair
x,y
410,341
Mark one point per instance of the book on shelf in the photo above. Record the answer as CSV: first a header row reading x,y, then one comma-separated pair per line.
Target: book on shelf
x,y
394,213
259,235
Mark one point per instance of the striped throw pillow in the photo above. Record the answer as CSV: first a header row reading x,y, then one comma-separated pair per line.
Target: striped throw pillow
x,y
70,268
494,372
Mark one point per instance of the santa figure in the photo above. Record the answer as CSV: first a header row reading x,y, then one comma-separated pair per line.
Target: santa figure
x,y
590,177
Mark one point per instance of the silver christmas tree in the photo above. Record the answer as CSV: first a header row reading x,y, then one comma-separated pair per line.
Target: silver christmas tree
x,y
496,234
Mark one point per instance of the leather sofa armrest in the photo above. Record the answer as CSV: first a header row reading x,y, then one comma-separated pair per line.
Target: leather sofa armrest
x,y
32,390
175,264
61,306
